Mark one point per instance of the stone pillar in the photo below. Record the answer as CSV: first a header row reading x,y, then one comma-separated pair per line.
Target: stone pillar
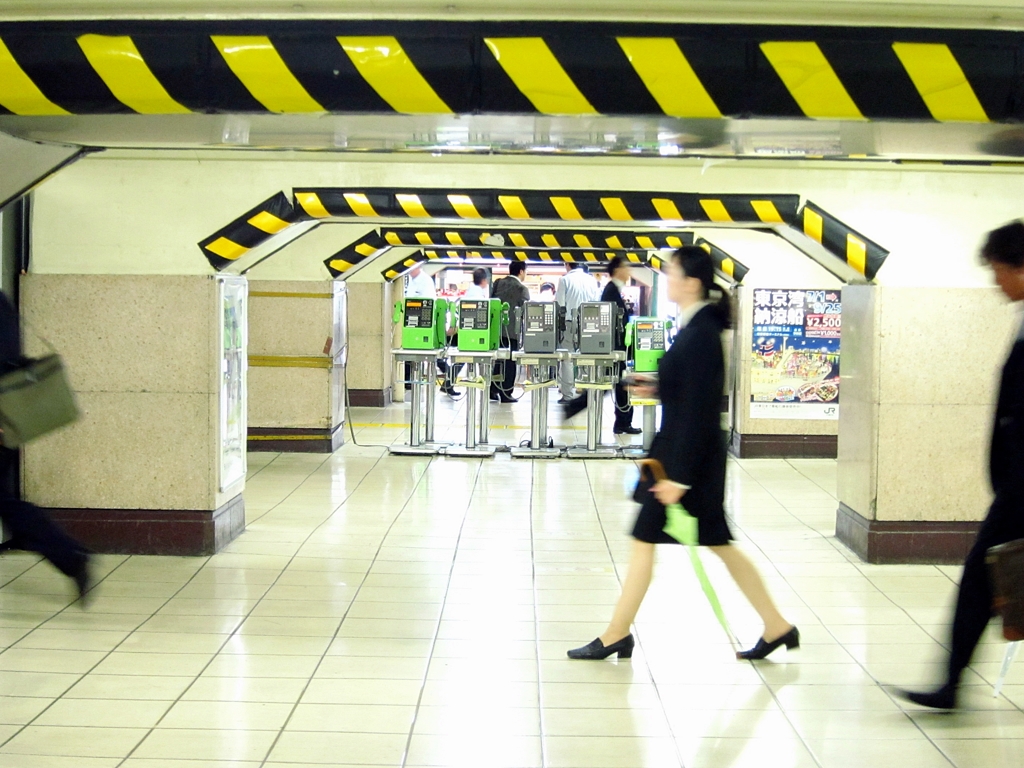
x,y
370,340
156,464
919,377
297,349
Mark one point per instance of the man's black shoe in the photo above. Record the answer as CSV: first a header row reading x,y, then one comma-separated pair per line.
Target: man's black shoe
x,y
574,406
943,698
507,399
453,393
630,430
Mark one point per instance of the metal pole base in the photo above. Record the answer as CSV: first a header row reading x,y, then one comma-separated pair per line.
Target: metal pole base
x,y
478,451
424,449
536,453
582,452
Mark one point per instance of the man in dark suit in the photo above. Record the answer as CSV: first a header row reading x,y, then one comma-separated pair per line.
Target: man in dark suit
x,y
31,528
1004,253
513,292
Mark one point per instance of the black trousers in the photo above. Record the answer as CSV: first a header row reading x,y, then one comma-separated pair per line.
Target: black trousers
x,y
623,410
32,529
503,377
974,597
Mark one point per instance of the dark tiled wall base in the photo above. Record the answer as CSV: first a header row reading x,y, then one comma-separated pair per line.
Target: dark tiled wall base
x,y
287,440
369,398
154,531
888,542
784,446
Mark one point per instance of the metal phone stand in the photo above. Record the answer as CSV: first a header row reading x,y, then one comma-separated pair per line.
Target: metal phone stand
x,y
424,396
541,375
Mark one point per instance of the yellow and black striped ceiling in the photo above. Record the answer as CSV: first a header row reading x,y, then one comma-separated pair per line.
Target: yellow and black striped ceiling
x,y
559,68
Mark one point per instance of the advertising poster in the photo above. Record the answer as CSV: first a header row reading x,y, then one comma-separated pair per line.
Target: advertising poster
x,y
795,366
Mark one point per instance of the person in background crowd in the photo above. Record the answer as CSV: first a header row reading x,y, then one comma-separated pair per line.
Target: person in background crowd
x,y
691,447
420,285
578,286
513,292
1003,251
618,270
478,290
547,292
31,528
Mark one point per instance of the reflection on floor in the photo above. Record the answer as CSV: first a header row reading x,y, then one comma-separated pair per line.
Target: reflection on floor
x,y
396,611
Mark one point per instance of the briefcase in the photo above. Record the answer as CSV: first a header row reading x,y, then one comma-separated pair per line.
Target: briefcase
x,y
1006,567
35,399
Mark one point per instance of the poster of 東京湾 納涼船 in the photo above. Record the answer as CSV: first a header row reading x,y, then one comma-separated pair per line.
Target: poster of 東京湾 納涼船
x,y
794,372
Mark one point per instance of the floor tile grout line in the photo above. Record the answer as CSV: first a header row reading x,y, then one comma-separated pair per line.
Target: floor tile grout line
x,y
105,655
639,636
341,621
440,616
536,618
317,468
842,645
227,639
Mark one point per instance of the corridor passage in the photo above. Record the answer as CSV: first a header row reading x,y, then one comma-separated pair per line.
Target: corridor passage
x,y
391,611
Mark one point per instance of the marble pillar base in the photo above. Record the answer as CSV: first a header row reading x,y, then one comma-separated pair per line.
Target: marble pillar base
x,y
154,531
904,541
783,446
295,439
369,398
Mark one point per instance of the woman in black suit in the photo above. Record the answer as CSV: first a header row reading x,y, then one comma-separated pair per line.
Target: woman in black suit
x,y
691,447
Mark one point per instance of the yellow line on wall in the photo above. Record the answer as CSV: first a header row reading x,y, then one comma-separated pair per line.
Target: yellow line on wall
x,y
120,65
290,295
287,361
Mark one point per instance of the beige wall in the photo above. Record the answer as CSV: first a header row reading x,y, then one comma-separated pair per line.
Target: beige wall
x,y
370,332
919,376
144,212
142,355
289,330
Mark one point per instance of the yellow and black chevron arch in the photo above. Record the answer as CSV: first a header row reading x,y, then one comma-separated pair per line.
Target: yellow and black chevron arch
x,y
376,240
536,205
227,244
563,68
730,269
865,256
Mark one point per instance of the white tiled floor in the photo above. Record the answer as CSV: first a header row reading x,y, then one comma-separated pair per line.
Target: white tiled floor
x,y
390,611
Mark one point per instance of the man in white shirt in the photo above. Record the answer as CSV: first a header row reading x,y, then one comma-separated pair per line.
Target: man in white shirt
x,y
419,285
479,290
577,287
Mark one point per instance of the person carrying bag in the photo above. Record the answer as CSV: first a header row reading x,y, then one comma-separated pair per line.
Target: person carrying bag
x,y
35,399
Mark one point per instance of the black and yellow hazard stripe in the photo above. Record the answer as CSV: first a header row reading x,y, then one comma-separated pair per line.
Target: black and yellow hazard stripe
x,y
865,256
544,205
376,241
227,244
729,268
555,68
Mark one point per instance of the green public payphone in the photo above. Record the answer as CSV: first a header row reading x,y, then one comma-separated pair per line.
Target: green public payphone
x,y
647,341
424,322
480,324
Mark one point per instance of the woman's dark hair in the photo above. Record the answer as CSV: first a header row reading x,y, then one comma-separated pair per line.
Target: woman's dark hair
x,y
696,262
614,263
517,268
1005,245
479,275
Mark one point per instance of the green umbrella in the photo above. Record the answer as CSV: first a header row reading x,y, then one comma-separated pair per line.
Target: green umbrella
x,y
682,526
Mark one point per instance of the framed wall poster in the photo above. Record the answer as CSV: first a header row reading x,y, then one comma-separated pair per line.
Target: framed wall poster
x,y
233,363
794,372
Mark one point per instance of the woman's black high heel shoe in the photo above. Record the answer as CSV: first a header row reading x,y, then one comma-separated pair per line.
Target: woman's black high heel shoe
x,y
595,649
791,640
